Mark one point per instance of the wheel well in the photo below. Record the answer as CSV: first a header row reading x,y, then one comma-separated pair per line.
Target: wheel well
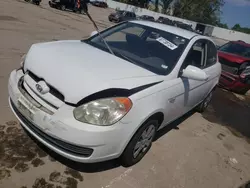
x,y
214,88
159,116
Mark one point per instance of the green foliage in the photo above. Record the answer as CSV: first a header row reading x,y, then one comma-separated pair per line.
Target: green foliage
x,y
222,25
204,11
165,5
237,27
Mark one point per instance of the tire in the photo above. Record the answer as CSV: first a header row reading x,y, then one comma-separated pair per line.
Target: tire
x,y
138,147
204,104
62,7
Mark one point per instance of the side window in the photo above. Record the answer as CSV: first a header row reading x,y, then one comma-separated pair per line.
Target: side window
x,y
211,54
196,55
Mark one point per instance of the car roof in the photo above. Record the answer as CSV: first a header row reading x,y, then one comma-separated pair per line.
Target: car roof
x,y
242,43
171,29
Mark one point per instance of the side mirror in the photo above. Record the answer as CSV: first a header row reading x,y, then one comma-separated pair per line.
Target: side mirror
x,y
93,33
194,73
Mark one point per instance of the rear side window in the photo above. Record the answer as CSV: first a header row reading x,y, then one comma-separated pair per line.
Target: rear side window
x,y
211,54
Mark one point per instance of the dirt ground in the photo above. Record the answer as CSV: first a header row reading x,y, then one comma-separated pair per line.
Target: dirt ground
x,y
209,150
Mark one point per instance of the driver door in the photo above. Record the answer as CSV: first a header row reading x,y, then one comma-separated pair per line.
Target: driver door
x,y
186,93
196,90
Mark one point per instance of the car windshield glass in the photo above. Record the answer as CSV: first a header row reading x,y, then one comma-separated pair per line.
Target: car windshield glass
x,y
120,12
153,49
236,48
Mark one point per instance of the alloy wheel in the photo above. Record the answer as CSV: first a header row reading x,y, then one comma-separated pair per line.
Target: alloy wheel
x,y
144,141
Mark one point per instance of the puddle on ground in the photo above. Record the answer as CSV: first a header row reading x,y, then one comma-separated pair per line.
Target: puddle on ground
x,y
74,174
37,162
17,150
42,183
69,182
230,111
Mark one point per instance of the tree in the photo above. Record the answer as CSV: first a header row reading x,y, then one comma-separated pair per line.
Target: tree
x,y
205,11
222,25
165,5
156,5
237,27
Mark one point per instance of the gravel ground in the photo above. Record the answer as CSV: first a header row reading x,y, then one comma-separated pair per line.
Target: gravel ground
x,y
199,150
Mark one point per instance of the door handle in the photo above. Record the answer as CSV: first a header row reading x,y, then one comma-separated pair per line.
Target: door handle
x,y
171,100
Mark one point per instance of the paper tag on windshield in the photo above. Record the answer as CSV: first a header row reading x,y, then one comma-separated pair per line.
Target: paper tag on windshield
x,y
167,43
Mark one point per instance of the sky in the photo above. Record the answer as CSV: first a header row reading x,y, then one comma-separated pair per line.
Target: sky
x,y
236,11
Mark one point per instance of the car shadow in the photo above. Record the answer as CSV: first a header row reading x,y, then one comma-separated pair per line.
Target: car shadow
x,y
173,125
245,185
230,110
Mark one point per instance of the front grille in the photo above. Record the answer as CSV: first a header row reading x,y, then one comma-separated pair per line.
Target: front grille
x,y
229,66
52,91
64,146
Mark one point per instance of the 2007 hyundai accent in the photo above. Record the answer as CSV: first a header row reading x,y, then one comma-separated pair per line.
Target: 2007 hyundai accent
x,y
106,96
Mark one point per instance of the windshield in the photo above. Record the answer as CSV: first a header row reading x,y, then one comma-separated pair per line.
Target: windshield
x,y
236,48
155,50
120,12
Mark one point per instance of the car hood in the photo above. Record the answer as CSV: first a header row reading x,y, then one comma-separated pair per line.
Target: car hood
x,y
232,57
78,70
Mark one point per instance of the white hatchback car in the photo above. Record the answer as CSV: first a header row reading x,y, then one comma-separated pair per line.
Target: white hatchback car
x,y
90,105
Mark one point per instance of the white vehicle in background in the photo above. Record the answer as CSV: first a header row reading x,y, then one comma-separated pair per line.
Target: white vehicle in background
x,y
106,97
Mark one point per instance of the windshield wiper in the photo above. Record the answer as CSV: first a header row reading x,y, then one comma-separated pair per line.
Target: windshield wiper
x,y
125,57
87,13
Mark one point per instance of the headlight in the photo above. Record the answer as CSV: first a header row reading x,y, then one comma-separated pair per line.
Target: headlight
x,y
22,60
103,111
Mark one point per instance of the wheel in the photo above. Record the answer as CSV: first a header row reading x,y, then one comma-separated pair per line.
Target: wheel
x,y
139,144
204,104
37,3
63,7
